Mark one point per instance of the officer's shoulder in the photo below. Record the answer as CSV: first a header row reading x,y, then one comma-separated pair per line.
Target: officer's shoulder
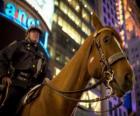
x,y
22,41
13,43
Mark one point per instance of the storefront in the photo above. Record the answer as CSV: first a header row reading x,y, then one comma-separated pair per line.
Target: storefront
x,y
16,17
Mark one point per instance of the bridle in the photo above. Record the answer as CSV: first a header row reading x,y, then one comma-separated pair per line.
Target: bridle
x,y
107,73
107,63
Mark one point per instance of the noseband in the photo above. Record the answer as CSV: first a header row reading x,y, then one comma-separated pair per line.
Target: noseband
x,y
107,72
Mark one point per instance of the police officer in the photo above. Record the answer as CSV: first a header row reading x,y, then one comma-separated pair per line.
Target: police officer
x,y
22,66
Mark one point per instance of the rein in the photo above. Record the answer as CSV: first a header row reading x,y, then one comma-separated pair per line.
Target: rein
x,y
62,93
108,76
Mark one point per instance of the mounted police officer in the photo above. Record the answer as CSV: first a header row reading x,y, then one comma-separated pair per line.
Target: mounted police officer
x,y
22,66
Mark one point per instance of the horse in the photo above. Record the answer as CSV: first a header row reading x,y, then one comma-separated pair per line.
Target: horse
x,y
101,54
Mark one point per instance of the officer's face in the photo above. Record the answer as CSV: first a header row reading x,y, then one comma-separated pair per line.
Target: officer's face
x,y
34,36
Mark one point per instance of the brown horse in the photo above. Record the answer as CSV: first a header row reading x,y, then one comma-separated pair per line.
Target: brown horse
x,y
101,51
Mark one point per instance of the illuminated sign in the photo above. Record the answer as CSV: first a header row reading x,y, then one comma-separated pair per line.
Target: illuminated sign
x,y
19,16
45,8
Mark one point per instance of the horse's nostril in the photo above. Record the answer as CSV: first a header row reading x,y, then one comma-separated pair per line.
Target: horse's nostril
x,y
128,78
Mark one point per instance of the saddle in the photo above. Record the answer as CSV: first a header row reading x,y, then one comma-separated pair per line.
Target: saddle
x,y
30,96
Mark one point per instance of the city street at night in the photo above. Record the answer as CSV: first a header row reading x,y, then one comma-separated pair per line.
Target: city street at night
x,y
69,58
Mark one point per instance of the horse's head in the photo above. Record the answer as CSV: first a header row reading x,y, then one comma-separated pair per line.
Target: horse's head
x,y
107,56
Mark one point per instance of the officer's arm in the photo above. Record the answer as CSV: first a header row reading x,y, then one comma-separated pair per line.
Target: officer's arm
x,y
48,73
47,70
6,57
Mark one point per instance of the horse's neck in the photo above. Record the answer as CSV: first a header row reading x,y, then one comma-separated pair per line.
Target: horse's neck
x,y
75,74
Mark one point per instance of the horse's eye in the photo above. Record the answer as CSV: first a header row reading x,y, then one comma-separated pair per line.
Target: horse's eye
x,y
107,39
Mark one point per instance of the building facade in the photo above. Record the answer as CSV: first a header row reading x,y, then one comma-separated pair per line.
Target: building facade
x,y
134,57
74,28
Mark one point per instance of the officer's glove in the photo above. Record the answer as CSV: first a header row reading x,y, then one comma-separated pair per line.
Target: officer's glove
x,y
6,81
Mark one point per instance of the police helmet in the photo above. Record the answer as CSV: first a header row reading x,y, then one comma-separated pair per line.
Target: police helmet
x,y
34,28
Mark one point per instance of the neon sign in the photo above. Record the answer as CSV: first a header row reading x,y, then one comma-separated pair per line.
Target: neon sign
x,y
20,16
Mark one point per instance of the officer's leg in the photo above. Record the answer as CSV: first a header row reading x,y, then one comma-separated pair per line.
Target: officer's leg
x,y
15,94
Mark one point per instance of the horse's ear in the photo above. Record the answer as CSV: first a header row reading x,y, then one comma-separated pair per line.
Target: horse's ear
x,y
96,22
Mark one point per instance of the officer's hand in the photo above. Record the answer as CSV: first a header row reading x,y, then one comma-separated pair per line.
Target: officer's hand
x,y
6,81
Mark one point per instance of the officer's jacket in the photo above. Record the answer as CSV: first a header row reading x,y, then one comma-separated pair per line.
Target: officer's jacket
x,y
23,56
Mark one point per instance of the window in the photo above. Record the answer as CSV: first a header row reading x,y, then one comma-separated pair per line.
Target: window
x,y
60,21
138,94
139,103
75,5
110,106
109,24
137,55
104,9
113,21
63,7
120,113
132,50
124,113
85,15
104,1
96,106
85,29
116,15
105,20
82,40
115,112
111,2
74,18
69,13
57,70
108,5
67,28
56,2
77,8
66,59
112,12
115,98
51,51
55,17
58,56
87,5
108,15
